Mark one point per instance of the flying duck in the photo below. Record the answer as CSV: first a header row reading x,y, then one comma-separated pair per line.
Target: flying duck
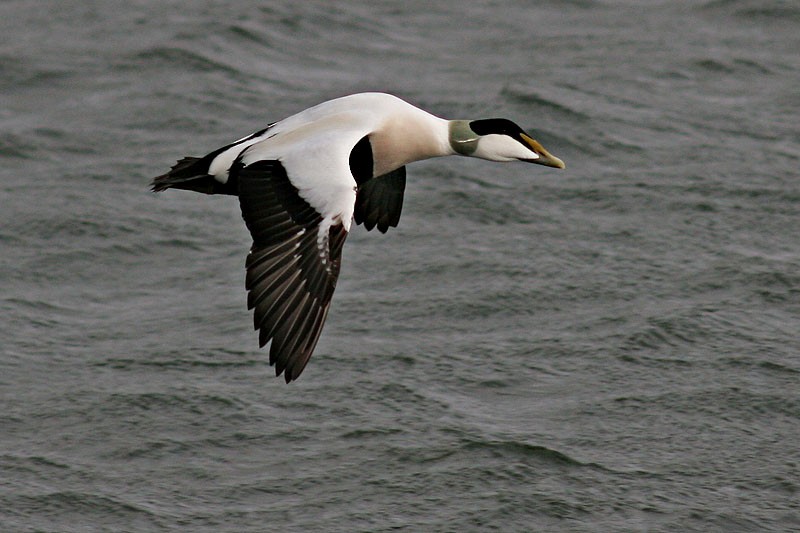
x,y
303,180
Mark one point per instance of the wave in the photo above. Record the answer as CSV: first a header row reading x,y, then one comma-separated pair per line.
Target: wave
x,y
14,146
516,450
179,59
40,508
756,10
533,99
184,360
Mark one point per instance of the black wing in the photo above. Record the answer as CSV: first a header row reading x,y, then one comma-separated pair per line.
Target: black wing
x,y
379,200
291,269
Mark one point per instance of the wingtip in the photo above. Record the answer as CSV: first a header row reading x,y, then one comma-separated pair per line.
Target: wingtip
x,y
157,184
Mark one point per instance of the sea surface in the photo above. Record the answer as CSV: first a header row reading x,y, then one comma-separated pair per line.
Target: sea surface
x,y
610,348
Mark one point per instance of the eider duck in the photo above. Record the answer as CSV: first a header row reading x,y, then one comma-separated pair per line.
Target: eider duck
x,y
303,180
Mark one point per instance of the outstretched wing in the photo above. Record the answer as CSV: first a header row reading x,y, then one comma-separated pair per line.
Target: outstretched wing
x,y
379,200
292,267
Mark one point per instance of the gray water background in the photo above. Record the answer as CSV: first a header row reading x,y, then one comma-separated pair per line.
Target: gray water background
x,y
614,347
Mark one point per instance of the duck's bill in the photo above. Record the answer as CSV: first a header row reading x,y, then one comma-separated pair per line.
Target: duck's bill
x,y
545,158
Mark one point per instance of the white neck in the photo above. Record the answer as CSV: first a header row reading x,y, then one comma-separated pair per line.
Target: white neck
x,y
407,135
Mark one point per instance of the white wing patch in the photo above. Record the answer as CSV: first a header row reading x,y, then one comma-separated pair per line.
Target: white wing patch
x,y
316,157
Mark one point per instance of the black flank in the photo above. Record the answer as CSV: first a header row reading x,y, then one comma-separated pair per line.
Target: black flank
x,y
361,162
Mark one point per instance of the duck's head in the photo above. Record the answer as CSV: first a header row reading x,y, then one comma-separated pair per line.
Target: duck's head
x,y
498,139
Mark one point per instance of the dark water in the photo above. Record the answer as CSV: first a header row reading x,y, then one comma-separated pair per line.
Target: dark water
x,y
610,348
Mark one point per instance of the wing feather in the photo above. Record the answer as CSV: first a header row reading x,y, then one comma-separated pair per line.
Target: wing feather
x,y
292,267
379,200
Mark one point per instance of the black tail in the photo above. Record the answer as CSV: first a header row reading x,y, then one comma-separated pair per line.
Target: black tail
x,y
190,173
